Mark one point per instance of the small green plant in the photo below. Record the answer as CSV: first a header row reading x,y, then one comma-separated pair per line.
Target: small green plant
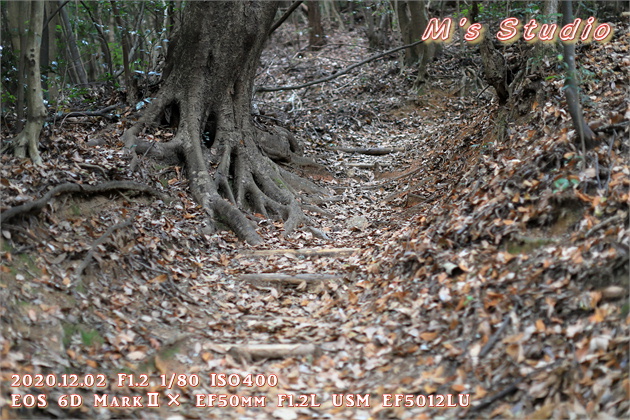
x,y
76,210
562,184
91,337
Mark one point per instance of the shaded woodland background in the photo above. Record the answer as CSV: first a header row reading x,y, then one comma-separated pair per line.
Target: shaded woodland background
x,y
472,241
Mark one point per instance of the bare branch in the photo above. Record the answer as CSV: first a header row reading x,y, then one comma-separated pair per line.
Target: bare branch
x,y
285,16
341,73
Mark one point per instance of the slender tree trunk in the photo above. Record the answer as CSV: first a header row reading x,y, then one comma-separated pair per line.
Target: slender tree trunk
x,y
551,8
404,22
213,64
45,53
132,94
95,15
51,82
18,15
316,38
73,50
425,51
585,135
413,20
28,139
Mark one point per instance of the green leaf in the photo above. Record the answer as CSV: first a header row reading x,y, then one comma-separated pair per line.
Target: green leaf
x,y
561,184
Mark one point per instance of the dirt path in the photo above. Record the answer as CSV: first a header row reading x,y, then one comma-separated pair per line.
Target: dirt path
x,y
423,287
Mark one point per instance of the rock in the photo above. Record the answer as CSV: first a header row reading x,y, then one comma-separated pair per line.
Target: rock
x,y
357,223
96,142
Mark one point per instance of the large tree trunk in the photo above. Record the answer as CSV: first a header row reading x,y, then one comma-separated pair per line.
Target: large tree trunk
x,y
213,62
412,20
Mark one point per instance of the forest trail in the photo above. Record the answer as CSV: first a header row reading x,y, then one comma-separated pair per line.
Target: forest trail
x,y
458,265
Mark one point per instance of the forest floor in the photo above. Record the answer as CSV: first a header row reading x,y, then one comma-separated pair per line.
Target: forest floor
x,y
480,258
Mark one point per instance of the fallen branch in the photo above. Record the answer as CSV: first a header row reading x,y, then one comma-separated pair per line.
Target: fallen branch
x,y
100,113
373,151
363,165
339,73
305,252
611,127
268,351
38,205
287,278
88,258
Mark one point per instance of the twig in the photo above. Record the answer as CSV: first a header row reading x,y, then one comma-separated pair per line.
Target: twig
x,y
88,258
340,73
52,15
612,127
602,224
480,93
495,337
69,187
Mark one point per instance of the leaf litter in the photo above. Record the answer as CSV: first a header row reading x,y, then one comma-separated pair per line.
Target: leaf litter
x,y
490,262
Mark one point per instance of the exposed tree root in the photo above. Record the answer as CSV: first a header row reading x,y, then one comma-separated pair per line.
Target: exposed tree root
x,y
37,205
88,258
234,170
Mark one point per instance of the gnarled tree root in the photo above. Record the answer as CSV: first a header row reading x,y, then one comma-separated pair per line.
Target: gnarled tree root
x,y
233,173
69,187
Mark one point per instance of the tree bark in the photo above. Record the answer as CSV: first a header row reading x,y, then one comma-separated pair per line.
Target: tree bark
x,y
102,38
132,92
228,160
316,38
495,69
73,51
49,51
585,135
426,51
28,139
17,15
